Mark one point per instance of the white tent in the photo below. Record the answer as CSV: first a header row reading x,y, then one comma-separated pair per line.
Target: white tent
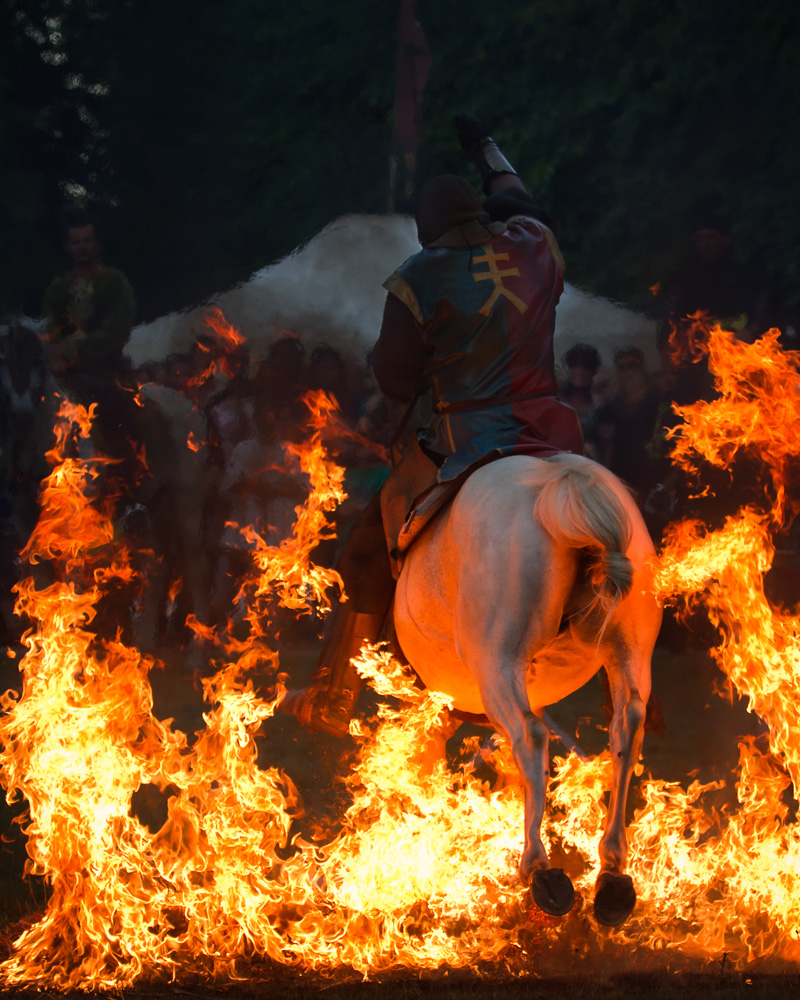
x,y
331,290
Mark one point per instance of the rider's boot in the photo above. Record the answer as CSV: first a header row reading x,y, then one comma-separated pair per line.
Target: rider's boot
x,y
329,701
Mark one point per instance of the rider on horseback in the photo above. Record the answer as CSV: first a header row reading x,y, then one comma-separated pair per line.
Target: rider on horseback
x,y
470,318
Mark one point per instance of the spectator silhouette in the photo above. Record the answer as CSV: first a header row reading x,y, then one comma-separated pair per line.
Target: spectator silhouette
x,y
626,422
582,362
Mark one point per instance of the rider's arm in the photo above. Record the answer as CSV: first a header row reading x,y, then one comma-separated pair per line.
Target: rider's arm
x,y
495,170
501,181
398,357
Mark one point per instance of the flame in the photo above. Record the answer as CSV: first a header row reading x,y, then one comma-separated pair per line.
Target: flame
x,y
192,443
227,339
757,408
301,585
421,872
731,883
688,339
228,336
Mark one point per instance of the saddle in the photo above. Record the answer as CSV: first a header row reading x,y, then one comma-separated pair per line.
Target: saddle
x,y
423,510
412,497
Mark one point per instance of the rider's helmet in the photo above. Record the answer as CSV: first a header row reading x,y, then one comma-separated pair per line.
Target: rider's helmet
x,y
444,203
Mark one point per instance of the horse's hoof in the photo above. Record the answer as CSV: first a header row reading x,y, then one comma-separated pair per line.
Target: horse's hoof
x,y
552,891
614,899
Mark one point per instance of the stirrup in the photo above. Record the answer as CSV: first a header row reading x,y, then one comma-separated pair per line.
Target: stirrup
x,y
327,704
315,710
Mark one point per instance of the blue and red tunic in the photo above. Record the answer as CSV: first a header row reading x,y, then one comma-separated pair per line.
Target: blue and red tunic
x,y
486,314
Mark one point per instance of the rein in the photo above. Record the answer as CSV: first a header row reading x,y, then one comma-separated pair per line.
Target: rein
x,y
467,405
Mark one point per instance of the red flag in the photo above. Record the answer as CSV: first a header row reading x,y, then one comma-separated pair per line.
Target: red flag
x,y
413,68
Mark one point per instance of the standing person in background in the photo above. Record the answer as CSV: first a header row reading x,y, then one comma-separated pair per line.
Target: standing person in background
x,y
722,288
582,362
175,432
328,371
716,283
90,312
627,423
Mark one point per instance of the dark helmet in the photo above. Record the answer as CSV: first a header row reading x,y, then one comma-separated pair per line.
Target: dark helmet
x,y
444,203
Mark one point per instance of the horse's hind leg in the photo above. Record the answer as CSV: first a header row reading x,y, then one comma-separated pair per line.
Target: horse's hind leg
x,y
628,671
505,699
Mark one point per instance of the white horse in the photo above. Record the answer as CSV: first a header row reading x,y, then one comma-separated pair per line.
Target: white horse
x,y
534,577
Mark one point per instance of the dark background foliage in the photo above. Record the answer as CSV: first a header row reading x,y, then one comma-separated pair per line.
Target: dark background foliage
x,y
213,138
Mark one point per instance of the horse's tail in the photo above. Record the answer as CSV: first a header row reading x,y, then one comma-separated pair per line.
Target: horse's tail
x,y
579,504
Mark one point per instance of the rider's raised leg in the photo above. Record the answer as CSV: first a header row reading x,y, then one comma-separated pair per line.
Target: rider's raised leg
x,y
328,703
369,583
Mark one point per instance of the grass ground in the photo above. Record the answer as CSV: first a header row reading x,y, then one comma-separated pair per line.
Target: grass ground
x,y
465,986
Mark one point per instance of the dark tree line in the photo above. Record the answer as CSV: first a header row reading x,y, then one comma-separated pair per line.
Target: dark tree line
x,y
213,138
630,117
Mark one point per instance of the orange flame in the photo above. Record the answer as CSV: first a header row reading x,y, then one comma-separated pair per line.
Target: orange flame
x,y
423,870
688,339
227,335
228,340
731,880
757,409
301,585
192,443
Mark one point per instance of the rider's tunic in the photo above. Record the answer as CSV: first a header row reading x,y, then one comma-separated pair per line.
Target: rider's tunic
x,y
486,313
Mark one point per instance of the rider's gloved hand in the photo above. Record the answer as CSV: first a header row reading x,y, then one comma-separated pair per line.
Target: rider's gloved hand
x,y
470,131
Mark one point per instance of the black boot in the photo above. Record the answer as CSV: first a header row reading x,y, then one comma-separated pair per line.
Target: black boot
x,y
329,701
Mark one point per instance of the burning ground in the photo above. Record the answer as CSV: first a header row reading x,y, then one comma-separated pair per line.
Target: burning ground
x,y
275,852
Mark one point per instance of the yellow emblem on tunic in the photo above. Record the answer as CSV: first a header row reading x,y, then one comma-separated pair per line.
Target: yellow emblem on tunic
x,y
496,275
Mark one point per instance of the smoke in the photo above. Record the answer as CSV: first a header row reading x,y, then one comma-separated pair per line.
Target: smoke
x,y
331,290
589,319
328,290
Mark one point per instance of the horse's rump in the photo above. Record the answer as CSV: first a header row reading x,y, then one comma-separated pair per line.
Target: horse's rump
x,y
581,504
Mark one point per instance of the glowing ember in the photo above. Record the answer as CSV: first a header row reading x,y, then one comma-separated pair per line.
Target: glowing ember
x,y
423,869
